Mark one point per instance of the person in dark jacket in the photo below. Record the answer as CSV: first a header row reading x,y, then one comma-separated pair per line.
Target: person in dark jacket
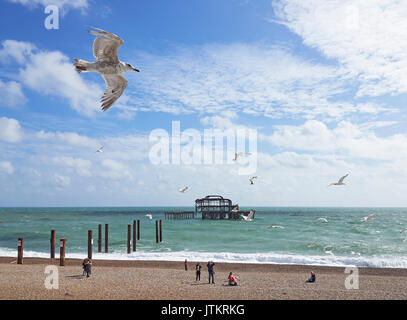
x,y
198,272
211,272
312,278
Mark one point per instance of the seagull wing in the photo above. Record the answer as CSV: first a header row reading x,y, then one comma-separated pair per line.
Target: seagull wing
x,y
343,178
115,86
105,46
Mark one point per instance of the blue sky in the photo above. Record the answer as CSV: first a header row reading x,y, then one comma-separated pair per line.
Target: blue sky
x,y
323,83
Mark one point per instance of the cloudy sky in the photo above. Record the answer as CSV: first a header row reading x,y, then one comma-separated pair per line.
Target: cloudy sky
x,y
322,82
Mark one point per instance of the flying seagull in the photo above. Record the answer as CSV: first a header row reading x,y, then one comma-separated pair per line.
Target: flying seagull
x,y
401,231
235,209
249,217
340,181
100,149
148,215
275,227
370,217
184,189
312,245
251,179
239,154
321,220
108,65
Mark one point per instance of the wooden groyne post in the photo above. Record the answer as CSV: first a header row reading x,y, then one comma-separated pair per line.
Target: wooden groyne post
x,y
90,244
52,242
62,243
106,238
99,238
138,229
129,238
20,246
156,231
161,231
134,234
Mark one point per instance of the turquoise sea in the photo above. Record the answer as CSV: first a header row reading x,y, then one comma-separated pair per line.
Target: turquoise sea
x,y
379,243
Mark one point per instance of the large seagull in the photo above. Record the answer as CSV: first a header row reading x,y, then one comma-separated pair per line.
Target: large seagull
x,y
108,65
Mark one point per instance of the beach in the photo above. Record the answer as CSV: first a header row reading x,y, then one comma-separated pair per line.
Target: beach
x,y
167,280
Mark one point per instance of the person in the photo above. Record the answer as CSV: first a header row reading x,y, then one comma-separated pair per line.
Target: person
x,y
312,278
186,264
211,272
88,268
84,262
232,279
198,272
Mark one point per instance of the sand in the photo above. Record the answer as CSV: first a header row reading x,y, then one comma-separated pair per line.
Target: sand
x,y
167,280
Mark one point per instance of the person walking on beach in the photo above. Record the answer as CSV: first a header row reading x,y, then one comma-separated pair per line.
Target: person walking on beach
x,y
186,265
84,262
211,272
198,272
312,278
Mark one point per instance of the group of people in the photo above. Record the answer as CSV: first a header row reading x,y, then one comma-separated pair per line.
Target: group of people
x,y
232,279
211,273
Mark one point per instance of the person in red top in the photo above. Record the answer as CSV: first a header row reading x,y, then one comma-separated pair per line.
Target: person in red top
x,y
232,280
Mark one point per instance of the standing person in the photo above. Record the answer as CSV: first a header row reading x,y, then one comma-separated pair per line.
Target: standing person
x,y
211,272
186,265
88,268
84,262
198,272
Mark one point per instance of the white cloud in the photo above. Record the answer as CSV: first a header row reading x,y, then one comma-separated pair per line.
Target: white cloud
x,y
63,5
115,170
11,94
10,130
6,167
81,166
68,138
367,37
15,50
61,181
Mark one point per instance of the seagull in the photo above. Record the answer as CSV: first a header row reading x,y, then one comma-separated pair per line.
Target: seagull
x,y
312,245
275,227
401,231
355,253
251,179
340,181
321,219
235,209
370,217
249,217
184,189
100,149
108,65
148,215
239,154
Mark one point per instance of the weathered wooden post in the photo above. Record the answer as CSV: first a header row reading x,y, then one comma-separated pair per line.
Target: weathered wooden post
x,y
20,245
99,238
62,252
134,234
156,231
161,231
52,241
90,244
138,229
129,238
106,238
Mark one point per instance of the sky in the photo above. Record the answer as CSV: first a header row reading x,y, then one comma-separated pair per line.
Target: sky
x,y
321,83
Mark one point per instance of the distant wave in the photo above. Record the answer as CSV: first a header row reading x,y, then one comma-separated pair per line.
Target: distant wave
x,y
263,258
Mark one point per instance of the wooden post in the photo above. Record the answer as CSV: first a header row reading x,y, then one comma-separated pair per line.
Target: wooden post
x,y
62,252
129,238
106,238
52,241
138,229
156,231
161,231
20,249
90,244
99,238
134,234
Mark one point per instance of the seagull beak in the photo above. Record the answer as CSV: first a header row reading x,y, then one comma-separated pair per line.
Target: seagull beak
x,y
136,70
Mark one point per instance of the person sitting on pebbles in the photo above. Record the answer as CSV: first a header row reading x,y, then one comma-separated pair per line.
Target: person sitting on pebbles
x,y
312,278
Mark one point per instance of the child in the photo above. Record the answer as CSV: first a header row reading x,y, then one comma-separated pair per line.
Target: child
x,y
88,268
84,262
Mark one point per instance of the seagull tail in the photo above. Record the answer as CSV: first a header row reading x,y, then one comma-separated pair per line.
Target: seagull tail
x,y
81,65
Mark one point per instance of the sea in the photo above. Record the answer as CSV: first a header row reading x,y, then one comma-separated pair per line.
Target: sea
x,y
342,241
